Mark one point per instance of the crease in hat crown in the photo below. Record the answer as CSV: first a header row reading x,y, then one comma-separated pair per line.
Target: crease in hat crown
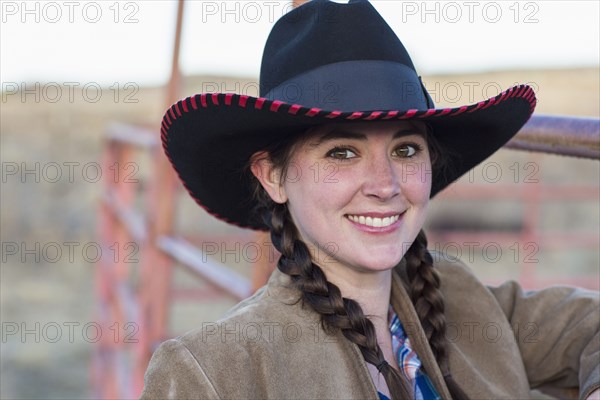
x,y
322,53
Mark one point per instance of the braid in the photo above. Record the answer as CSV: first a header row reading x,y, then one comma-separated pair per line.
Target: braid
x,y
324,297
429,303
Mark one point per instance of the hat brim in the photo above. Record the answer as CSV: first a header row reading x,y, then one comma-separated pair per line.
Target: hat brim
x,y
238,126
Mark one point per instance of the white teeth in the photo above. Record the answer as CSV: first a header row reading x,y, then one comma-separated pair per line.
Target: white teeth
x,y
374,222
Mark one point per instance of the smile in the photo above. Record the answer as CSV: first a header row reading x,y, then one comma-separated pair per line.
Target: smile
x,y
374,221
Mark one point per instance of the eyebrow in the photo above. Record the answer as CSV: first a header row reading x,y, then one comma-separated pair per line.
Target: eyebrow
x,y
340,133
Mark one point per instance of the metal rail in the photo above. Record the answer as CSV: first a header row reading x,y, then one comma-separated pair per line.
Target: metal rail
x,y
569,136
186,253
132,134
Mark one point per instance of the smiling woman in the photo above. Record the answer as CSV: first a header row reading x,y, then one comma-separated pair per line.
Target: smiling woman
x,y
367,206
358,307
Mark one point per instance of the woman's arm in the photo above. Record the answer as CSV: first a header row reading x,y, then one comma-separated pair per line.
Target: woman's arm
x,y
558,333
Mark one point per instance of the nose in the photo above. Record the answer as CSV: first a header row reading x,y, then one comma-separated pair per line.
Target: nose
x,y
381,179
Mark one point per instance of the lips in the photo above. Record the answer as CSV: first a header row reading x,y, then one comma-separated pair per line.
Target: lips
x,y
375,222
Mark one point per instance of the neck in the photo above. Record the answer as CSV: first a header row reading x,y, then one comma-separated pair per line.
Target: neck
x,y
370,289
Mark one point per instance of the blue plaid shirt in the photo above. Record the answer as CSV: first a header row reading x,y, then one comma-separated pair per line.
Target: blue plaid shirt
x,y
409,363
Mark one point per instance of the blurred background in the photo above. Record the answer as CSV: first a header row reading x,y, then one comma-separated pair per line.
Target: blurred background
x,y
74,287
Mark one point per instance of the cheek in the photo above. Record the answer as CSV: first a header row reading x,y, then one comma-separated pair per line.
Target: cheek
x,y
416,183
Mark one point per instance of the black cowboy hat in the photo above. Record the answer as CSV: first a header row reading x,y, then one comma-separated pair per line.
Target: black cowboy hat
x,y
324,62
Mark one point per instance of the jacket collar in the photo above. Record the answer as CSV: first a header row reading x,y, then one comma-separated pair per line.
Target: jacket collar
x,y
279,285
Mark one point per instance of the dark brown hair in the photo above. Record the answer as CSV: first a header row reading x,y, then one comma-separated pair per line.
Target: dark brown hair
x,y
338,312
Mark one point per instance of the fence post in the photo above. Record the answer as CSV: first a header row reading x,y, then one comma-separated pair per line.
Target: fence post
x,y
156,266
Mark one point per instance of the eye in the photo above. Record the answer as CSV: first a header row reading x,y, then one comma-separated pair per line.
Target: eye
x,y
340,153
407,150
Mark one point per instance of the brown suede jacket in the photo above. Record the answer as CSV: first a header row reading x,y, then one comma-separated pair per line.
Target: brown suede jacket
x,y
502,342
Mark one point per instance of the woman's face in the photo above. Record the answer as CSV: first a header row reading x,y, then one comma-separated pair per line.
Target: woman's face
x,y
358,192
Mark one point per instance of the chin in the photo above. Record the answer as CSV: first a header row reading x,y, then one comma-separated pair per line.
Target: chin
x,y
381,264
383,258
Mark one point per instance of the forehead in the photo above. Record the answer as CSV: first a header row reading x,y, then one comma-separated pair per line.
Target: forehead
x,y
364,130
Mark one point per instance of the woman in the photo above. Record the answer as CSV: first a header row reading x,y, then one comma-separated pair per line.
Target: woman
x,y
358,307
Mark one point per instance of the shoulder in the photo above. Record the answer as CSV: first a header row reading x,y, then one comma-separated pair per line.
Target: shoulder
x,y
272,325
466,297
453,272
174,372
260,320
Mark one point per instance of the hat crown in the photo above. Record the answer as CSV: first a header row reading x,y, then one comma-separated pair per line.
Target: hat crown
x,y
323,32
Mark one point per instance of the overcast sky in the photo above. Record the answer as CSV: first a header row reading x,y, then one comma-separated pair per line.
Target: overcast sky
x,y
130,41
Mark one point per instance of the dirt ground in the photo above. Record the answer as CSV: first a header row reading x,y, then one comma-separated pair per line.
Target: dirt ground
x,y
50,199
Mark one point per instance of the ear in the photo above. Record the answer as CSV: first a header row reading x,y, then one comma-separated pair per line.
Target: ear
x,y
268,176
